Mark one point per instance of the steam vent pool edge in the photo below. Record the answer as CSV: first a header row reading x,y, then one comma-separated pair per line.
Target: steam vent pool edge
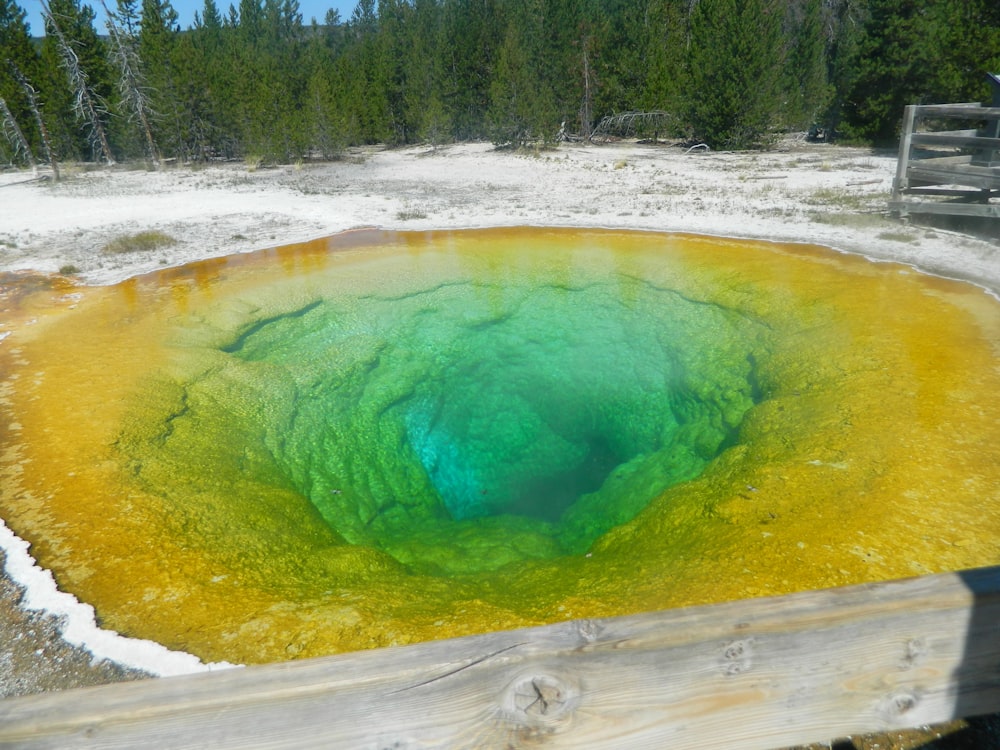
x,y
382,438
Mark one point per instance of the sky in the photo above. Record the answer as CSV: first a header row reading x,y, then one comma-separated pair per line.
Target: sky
x,y
185,10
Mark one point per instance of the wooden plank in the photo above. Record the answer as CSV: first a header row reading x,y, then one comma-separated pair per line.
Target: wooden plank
x,y
967,195
987,178
945,160
970,110
946,208
968,169
745,675
961,141
966,133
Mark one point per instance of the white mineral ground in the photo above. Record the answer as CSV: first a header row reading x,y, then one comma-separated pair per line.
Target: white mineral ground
x,y
813,193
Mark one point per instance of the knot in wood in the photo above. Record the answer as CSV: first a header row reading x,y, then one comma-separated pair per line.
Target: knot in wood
x,y
737,656
589,630
899,704
916,653
543,697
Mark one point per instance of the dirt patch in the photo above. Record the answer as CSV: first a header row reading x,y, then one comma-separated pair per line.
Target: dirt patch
x,y
33,656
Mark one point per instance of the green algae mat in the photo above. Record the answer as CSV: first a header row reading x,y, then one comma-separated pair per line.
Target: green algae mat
x,y
385,438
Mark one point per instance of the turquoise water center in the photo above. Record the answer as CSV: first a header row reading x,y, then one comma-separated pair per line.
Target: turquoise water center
x,y
465,425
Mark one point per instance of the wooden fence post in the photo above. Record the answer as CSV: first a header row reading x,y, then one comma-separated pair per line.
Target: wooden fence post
x,y
901,183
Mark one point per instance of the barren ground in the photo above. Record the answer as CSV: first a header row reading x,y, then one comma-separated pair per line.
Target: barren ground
x,y
816,193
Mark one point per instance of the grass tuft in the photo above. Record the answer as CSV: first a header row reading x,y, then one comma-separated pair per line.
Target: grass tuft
x,y
139,242
855,220
843,198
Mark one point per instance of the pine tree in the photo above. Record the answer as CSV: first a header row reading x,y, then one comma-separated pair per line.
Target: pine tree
x,y
888,70
473,35
243,93
522,106
574,61
916,52
556,58
423,99
17,51
326,119
127,16
203,72
389,56
807,92
366,87
133,93
969,36
845,21
287,80
157,41
209,17
734,71
664,43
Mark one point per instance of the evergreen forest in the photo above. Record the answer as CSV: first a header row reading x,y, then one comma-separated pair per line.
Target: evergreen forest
x,y
254,81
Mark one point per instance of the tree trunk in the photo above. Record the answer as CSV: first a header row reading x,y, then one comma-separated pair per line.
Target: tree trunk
x,y
13,132
43,131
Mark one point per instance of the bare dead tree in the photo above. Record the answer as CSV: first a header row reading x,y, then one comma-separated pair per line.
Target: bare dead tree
x,y
131,81
587,104
13,133
86,104
29,91
627,123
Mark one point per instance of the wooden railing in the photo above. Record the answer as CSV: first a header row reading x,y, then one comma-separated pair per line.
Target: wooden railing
x,y
960,168
744,675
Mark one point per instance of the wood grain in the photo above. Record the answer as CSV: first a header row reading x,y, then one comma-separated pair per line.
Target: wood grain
x,y
970,110
958,141
752,674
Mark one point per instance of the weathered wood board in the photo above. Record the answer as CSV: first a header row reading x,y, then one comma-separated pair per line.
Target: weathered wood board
x,y
977,210
957,141
972,110
751,674
980,177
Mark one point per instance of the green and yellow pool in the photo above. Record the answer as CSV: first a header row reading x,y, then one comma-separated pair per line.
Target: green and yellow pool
x,y
383,438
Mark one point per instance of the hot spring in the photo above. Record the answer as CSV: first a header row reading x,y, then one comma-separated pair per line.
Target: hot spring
x,y
384,438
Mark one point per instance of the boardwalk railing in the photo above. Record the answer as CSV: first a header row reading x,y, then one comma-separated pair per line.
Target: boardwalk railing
x,y
959,169
745,675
